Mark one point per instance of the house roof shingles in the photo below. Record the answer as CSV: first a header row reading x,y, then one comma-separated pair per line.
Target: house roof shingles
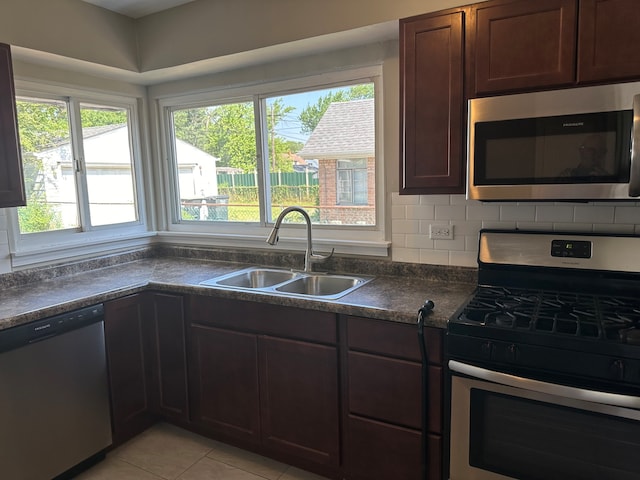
x,y
346,130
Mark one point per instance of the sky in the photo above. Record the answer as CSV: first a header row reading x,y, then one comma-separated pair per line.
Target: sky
x,y
289,128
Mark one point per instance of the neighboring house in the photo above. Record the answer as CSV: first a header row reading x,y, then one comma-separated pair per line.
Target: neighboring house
x,y
108,166
343,143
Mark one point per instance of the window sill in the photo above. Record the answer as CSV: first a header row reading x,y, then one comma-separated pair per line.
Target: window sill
x,y
78,249
347,247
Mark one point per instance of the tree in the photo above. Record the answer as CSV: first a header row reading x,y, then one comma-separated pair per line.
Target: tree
x,y
191,125
41,125
231,135
228,133
279,148
97,117
311,114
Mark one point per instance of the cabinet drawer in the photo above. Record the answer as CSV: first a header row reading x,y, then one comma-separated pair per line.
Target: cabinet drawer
x,y
264,319
383,337
377,451
385,388
393,339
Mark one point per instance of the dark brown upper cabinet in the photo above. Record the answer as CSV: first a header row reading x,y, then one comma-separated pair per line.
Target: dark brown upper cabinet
x,y
521,45
608,40
12,193
432,104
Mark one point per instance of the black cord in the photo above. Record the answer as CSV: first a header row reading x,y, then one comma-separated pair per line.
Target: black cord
x,y
422,313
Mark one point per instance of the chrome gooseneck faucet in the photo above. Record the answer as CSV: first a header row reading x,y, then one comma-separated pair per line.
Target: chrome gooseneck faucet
x,y
309,256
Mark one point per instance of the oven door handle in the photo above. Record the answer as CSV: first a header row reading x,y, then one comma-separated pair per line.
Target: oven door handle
x,y
592,396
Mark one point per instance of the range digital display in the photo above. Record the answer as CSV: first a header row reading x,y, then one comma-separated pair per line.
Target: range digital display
x,y
571,248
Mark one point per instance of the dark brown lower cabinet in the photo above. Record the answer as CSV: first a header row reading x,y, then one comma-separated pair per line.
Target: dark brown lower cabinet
x,y
299,399
128,340
383,404
266,377
223,379
145,343
380,450
277,380
166,313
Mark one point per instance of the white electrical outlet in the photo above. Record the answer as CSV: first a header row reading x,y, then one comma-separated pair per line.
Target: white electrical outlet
x,y
441,232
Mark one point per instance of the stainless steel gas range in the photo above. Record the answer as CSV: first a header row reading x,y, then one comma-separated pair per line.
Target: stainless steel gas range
x,y
544,360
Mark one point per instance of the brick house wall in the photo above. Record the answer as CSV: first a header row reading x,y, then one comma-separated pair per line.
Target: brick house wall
x,y
330,211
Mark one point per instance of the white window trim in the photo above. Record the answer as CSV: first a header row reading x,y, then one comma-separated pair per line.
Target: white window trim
x,y
369,240
37,249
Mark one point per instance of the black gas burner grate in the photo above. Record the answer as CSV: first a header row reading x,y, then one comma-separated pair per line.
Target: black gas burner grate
x,y
561,313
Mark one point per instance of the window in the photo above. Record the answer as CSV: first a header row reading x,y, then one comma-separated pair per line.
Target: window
x,y
215,154
352,182
243,161
78,163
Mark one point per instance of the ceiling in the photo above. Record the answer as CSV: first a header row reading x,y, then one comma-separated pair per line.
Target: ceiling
x,y
137,8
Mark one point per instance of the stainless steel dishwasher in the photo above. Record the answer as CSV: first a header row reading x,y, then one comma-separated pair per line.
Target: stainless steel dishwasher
x,y
54,398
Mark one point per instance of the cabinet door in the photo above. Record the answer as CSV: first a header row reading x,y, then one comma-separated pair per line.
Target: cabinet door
x,y
521,45
380,451
167,317
128,354
11,179
431,101
387,389
609,35
299,399
223,382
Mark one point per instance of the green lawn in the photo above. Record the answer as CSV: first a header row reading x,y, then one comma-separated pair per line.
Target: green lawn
x,y
251,213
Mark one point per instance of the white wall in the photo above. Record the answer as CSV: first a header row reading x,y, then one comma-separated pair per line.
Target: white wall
x,y
216,28
412,215
70,28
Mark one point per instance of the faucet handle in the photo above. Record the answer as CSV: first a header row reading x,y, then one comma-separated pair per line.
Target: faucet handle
x,y
318,257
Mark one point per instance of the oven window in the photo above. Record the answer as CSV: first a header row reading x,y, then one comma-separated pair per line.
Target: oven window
x,y
586,148
532,440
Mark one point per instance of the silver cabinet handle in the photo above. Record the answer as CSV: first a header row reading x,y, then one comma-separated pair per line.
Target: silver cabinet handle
x,y
544,387
634,179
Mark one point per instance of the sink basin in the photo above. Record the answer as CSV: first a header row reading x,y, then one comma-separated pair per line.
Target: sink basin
x,y
288,283
321,285
253,278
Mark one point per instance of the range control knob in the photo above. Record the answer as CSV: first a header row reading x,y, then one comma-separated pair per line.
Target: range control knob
x,y
513,353
616,369
486,349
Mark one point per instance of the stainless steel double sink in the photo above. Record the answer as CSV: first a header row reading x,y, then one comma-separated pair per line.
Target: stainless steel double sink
x,y
288,283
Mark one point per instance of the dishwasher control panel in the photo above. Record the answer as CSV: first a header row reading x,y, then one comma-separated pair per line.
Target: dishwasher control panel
x,y
40,329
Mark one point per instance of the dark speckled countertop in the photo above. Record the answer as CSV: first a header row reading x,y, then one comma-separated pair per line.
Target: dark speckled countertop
x,y
394,297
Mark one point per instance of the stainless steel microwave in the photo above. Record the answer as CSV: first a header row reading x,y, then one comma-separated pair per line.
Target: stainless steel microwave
x,y
574,144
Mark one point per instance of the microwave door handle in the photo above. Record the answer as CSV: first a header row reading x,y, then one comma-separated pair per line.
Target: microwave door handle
x,y
574,393
634,178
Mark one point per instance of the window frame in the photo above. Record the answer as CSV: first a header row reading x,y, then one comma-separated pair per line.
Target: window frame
x,y
30,249
370,239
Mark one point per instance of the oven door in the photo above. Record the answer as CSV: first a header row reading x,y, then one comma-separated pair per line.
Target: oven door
x,y
507,427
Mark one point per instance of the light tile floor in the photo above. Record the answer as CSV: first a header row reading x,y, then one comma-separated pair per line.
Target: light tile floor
x,y
166,452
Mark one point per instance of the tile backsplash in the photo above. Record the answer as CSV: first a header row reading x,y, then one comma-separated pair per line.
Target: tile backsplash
x,y
411,216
